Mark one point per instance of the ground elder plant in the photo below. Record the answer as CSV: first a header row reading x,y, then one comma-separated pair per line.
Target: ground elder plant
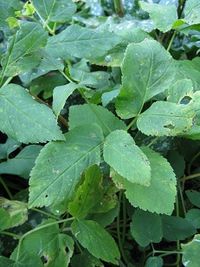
x,y
99,133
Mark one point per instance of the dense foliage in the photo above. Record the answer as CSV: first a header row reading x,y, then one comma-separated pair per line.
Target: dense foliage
x,y
100,133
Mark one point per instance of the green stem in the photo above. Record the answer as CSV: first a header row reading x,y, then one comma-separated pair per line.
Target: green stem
x,y
181,197
6,188
171,41
191,162
10,234
45,213
37,229
131,123
193,176
44,23
124,219
119,7
153,141
118,231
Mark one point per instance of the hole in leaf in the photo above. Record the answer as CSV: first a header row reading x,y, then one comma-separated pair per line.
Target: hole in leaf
x,y
44,259
185,100
46,196
169,126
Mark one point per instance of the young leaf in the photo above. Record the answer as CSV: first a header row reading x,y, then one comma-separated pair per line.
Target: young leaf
x,y
60,95
55,11
176,228
7,9
12,213
191,11
146,227
19,56
88,193
191,252
23,163
160,196
80,42
96,240
121,153
24,119
90,113
147,70
162,15
59,166
166,119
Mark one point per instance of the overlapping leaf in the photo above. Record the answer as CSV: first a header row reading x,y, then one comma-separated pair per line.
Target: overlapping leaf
x,y
90,113
55,10
166,119
97,241
80,42
162,15
147,70
24,119
59,166
126,158
160,196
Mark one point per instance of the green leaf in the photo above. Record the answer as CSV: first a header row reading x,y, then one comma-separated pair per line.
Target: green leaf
x,y
80,42
160,196
146,227
166,119
60,164
162,15
180,91
8,147
147,70
21,55
55,10
23,163
61,94
85,260
27,260
176,228
194,197
24,119
191,252
90,113
189,69
7,9
96,240
88,193
191,11
48,243
13,213
154,262
126,158
193,216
